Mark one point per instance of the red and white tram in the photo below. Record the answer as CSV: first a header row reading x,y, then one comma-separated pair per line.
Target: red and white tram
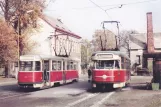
x,y
110,68
38,71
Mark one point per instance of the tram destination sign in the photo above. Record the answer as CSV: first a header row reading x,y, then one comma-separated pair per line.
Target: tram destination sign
x,y
105,55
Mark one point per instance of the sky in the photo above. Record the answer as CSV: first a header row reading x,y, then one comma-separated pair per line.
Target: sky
x,y
83,17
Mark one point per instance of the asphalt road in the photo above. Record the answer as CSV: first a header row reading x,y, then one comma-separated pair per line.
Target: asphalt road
x,y
77,94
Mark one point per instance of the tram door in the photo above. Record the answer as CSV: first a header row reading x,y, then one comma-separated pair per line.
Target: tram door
x,y
64,72
46,71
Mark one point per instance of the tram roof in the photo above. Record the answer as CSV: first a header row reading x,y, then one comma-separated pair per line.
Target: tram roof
x,y
120,53
43,57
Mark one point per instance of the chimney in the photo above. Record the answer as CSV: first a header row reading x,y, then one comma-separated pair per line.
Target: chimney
x,y
150,39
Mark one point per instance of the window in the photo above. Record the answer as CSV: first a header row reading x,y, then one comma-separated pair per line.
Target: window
x,y
75,66
70,66
59,65
105,64
30,65
26,66
54,65
117,65
37,66
122,63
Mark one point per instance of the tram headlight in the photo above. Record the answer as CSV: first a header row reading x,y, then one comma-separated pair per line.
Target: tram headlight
x,y
104,76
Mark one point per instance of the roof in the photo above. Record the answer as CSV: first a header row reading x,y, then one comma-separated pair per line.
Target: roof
x,y
139,41
59,26
120,53
44,57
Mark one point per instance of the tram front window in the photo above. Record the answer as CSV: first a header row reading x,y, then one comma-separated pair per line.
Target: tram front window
x,y
30,66
105,64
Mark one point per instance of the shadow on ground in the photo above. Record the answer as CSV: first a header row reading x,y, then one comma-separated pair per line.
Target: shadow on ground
x,y
15,88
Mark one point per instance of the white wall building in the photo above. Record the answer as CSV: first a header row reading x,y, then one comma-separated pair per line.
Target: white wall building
x,y
52,38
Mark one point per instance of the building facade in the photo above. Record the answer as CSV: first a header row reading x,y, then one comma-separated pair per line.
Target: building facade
x,y
138,46
53,38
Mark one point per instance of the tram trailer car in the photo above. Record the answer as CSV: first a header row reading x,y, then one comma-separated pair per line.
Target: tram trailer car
x,y
38,71
110,68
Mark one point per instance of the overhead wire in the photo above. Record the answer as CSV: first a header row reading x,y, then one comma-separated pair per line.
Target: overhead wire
x,y
50,2
100,8
109,5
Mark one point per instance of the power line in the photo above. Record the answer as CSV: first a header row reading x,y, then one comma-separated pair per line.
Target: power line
x,y
117,5
50,2
101,9
139,2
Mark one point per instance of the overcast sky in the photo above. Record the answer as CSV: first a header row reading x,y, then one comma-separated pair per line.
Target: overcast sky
x,y
83,17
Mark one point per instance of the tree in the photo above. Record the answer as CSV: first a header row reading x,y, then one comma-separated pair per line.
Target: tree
x,y
8,45
21,14
86,52
124,39
103,40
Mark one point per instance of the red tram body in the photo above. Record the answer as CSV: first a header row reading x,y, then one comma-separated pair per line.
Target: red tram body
x,y
38,71
110,68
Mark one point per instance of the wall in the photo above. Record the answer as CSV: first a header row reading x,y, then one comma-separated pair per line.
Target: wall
x,y
40,37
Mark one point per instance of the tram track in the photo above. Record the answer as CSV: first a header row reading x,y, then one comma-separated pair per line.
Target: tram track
x,y
12,96
81,100
92,100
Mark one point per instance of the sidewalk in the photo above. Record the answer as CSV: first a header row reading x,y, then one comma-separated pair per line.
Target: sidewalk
x,y
4,81
136,95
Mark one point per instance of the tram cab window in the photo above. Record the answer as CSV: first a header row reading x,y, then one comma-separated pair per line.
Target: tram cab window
x,y
105,64
30,65
26,65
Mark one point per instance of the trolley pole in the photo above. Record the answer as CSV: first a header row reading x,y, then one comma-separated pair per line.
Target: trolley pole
x,y
117,29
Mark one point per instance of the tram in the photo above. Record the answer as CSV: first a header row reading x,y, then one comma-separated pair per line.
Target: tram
x,y
38,71
110,68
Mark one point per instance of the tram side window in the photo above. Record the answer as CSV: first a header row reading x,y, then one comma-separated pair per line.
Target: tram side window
x,y
75,66
37,66
70,66
54,65
122,63
59,65
117,64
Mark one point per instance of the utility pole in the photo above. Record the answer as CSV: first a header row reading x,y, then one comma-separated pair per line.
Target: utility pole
x,y
117,22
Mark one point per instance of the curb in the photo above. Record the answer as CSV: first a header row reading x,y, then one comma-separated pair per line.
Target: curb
x,y
6,83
